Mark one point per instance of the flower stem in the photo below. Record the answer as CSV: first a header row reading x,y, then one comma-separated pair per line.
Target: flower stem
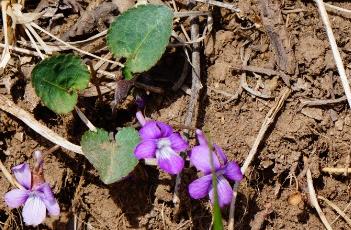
x,y
141,118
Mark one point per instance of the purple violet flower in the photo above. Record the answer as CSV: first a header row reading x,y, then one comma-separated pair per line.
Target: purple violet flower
x,y
200,158
158,140
36,195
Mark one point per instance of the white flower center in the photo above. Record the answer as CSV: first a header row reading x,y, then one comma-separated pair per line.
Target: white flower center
x,y
163,143
164,149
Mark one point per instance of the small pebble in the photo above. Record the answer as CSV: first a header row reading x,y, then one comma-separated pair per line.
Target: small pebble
x,y
295,199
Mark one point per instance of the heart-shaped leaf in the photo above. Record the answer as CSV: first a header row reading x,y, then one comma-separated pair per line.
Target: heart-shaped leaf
x,y
57,79
114,159
141,35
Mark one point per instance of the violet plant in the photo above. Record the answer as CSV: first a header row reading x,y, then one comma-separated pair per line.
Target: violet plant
x,y
36,194
224,171
57,80
158,140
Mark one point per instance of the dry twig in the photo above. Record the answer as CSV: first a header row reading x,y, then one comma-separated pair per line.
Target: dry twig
x,y
5,57
345,209
334,47
322,102
85,119
270,117
195,90
9,177
220,4
256,69
278,35
72,47
336,170
189,14
10,107
337,209
338,10
314,201
245,86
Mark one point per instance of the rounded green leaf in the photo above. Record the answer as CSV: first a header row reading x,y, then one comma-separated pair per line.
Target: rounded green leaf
x,y
141,35
57,79
114,159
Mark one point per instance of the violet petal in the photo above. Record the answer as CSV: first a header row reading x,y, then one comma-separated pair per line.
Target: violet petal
x,y
169,161
166,130
199,188
233,171
150,131
224,190
16,197
200,158
45,193
52,207
201,137
178,143
140,117
220,154
145,149
34,210
23,175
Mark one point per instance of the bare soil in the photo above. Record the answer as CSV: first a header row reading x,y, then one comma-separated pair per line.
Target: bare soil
x,y
314,137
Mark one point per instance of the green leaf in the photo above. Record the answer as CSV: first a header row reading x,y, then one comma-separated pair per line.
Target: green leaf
x,y
114,159
217,216
141,35
57,79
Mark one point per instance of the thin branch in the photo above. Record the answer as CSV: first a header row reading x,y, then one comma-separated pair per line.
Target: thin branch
x,y
34,44
96,36
220,4
338,10
256,69
9,177
20,50
39,39
189,14
334,47
195,90
245,86
270,118
314,201
85,120
93,92
74,48
345,209
223,92
337,209
322,102
336,170
10,107
5,57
